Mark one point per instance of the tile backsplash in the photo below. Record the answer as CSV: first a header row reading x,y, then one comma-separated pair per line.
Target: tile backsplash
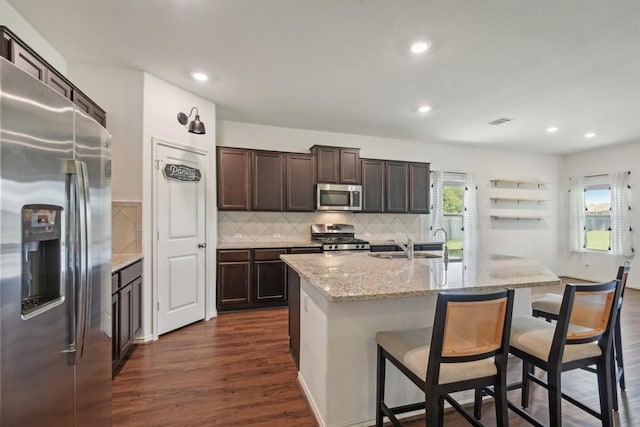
x,y
296,227
126,227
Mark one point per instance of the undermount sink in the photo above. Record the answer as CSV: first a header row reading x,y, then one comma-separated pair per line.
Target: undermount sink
x,y
390,255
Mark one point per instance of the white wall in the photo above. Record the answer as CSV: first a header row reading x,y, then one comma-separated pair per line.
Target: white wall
x,y
526,238
162,102
11,19
596,265
120,93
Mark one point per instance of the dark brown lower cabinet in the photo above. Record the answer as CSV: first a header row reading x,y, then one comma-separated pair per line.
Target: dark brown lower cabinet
x,y
293,289
253,278
126,312
234,279
270,277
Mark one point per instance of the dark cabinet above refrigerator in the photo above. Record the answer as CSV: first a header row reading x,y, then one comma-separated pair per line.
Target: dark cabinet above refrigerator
x,y
21,55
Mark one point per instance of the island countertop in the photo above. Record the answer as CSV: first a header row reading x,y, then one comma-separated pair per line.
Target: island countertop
x,y
358,276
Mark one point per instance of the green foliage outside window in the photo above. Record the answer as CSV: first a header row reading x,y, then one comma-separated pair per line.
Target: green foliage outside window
x,y
452,198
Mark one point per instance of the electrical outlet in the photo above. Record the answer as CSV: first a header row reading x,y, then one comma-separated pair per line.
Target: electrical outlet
x,y
367,234
237,236
305,301
276,236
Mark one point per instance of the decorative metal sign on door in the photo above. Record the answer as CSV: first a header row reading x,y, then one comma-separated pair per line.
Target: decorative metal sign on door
x,y
181,173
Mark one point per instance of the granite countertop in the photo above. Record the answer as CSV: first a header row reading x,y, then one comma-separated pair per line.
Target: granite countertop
x,y
120,261
392,242
357,276
247,244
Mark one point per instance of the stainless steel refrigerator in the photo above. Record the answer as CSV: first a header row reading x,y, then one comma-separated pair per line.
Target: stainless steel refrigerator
x,y
55,266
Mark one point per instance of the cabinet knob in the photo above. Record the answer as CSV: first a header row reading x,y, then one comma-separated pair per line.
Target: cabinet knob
x,y
202,245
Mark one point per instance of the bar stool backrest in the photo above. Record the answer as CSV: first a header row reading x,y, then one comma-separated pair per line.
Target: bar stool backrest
x,y
474,327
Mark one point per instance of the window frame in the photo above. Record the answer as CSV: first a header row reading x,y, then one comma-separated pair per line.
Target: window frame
x,y
596,186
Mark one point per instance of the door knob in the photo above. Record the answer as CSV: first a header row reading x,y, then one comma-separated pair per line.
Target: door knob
x,y
202,245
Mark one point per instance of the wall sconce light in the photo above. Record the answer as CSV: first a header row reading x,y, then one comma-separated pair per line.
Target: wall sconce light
x,y
195,126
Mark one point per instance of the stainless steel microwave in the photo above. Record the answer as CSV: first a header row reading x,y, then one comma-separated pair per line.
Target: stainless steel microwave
x,y
338,197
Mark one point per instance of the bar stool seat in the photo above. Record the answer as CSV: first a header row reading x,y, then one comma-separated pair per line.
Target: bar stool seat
x,y
534,336
548,304
412,348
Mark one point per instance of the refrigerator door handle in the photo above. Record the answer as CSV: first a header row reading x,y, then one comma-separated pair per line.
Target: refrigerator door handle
x,y
71,248
79,258
86,261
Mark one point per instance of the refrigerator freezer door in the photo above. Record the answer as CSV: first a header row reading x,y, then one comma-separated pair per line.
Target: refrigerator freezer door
x,y
93,371
36,136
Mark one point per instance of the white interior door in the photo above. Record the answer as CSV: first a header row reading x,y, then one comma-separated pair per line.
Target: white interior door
x,y
181,256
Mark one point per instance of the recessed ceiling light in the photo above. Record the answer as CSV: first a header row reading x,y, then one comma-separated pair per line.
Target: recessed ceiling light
x,y
424,109
589,134
552,129
201,77
419,47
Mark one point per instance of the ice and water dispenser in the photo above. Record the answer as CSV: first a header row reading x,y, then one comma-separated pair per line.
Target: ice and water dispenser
x,y
41,257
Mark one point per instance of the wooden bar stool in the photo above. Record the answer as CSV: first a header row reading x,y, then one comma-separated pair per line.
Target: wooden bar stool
x,y
466,349
582,336
548,307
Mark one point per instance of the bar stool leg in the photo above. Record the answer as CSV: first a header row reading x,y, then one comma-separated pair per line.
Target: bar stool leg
x,y
477,404
380,387
502,415
432,406
614,381
617,341
555,397
604,388
526,384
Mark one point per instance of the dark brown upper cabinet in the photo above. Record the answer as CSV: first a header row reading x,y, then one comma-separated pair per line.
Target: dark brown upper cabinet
x,y
419,188
268,181
24,60
373,178
396,194
21,55
337,165
234,179
300,181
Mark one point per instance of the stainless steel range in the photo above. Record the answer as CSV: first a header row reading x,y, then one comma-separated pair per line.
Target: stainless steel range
x,y
337,237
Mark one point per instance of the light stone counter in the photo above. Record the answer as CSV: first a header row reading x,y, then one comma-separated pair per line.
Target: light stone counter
x,y
346,297
120,261
357,276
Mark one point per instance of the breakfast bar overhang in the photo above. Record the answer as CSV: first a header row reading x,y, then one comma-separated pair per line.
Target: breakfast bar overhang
x,y
346,297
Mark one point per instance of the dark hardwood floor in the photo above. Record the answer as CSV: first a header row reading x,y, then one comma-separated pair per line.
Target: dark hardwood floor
x,y
235,370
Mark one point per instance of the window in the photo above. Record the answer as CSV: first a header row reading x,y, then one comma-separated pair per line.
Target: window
x,y
452,219
600,214
597,228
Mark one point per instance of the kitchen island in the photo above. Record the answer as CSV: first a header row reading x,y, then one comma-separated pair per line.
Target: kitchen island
x,y
338,301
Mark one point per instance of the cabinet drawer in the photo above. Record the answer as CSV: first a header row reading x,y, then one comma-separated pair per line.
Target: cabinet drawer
x,y
115,282
129,274
268,254
309,250
234,256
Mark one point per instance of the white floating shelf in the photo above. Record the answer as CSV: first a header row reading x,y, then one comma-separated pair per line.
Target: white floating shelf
x,y
517,217
517,199
517,183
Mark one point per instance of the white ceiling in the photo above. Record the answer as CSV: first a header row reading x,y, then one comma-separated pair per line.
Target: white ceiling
x,y
344,66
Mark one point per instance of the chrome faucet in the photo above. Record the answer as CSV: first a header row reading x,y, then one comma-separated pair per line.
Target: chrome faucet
x,y
407,248
445,254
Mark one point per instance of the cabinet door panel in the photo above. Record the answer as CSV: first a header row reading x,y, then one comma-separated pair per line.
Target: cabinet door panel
x,y
234,280
115,331
136,307
268,176
293,291
234,168
300,172
419,188
270,281
29,63
396,187
349,166
373,185
328,159
59,85
125,327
